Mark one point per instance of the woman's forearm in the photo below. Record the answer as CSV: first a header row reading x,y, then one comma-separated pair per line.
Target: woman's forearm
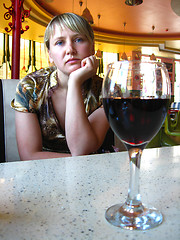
x,y
43,155
80,136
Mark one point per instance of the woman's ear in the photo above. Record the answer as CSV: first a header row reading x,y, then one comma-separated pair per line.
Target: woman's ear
x,y
50,58
93,50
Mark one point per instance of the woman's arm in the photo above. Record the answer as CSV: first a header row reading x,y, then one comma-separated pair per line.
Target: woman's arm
x,y
29,138
84,134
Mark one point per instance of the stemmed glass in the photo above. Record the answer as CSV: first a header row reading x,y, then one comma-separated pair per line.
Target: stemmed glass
x,y
136,97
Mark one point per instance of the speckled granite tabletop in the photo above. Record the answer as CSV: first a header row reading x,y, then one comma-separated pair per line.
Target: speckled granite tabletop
x,y
67,198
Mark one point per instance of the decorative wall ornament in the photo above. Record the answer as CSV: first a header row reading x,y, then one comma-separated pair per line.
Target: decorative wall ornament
x,y
10,13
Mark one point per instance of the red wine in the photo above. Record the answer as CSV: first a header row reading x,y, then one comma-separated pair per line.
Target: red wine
x,y
135,121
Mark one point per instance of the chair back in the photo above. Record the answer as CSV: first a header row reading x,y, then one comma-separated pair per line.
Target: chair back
x,y
170,128
9,151
175,105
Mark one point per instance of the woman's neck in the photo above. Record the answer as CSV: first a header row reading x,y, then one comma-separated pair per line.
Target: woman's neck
x,y
62,80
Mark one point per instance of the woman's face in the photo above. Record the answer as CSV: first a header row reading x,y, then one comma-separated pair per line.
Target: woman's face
x,y
68,48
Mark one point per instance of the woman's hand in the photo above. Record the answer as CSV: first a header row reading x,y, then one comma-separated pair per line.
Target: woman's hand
x,y
88,69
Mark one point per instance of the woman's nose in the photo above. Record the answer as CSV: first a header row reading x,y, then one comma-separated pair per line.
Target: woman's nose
x,y
70,48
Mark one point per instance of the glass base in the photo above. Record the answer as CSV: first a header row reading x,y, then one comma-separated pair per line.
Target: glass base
x,y
133,217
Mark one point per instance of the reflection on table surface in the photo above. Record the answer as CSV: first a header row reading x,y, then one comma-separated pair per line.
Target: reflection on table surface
x,y
67,198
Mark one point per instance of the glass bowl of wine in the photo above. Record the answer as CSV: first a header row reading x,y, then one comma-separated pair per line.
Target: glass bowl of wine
x,y
136,98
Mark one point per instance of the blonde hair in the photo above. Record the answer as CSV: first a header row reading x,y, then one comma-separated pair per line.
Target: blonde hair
x,y
72,21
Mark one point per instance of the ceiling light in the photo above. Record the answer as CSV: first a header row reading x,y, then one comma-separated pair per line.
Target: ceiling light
x,y
86,13
133,2
98,53
124,56
153,57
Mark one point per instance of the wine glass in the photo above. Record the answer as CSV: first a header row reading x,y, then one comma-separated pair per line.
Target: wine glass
x,y
136,98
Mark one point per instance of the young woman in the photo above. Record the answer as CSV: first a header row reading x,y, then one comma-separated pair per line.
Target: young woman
x,y
59,109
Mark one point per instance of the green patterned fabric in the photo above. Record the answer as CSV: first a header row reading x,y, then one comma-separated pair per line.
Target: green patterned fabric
x,y
33,95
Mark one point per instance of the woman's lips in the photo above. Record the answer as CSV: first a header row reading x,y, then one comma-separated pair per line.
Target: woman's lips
x,y
73,60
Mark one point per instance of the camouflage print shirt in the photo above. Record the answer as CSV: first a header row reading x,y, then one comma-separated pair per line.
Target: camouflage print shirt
x,y
33,95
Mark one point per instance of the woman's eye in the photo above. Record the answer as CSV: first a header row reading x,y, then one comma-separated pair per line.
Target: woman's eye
x,y
78,40
59,43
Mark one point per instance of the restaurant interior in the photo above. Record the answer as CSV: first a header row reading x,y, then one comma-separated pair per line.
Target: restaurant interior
x,y
87,197
124,29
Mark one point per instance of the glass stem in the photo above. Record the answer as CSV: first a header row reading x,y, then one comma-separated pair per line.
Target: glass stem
x,y
134,197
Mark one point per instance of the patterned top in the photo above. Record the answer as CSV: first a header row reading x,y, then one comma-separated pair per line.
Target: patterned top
x,y
33,94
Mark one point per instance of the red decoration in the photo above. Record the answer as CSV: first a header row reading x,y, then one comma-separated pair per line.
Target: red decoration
x,y
18,13
11,12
